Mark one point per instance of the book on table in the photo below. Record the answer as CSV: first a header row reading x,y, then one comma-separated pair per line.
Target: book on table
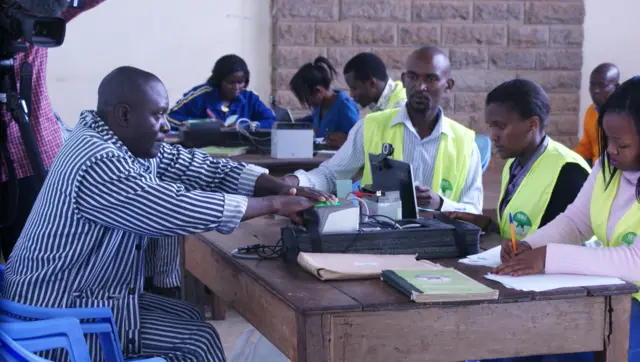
x,y
438,285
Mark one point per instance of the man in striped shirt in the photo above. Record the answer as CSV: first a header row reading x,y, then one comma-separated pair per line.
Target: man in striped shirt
x,y
114,185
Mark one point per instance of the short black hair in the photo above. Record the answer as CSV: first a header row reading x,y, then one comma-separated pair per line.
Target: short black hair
x,y
125,84
320,73
365,66
624,100
524,97
224,67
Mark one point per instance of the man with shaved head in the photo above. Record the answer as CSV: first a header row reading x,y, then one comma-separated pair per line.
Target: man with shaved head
x,y
442,152
604,79
114,185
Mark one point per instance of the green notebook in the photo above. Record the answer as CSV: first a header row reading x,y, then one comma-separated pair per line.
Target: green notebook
x,y
441,285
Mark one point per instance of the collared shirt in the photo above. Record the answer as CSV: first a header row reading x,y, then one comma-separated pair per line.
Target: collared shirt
x,y
42,119
518,171
420,153
83,243
383,102
204,102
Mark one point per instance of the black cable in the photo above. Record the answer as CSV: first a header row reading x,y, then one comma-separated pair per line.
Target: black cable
x,y
393,222
259,251
360,232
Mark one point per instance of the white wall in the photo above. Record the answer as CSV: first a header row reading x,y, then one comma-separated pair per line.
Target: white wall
x,y
177,40
611,30
181,42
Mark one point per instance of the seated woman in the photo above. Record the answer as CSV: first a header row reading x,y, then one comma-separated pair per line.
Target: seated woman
x,y
222,96
334,112
608,206
541,177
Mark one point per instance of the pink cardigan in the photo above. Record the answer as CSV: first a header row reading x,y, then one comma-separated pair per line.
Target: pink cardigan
x,y
564,235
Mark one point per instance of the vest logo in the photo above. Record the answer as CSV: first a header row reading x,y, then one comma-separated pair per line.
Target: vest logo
x,y
446,188
629,238
522,224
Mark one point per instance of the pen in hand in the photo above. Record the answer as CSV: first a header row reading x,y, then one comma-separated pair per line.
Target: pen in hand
x,y
513,234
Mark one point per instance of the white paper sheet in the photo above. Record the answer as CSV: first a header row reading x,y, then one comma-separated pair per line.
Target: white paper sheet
x,y
490,258
544,282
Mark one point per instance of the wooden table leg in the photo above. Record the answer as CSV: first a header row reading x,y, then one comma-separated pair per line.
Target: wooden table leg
x,y
617,323
217,305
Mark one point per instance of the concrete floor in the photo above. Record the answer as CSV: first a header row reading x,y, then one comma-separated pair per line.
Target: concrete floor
x,y
231,328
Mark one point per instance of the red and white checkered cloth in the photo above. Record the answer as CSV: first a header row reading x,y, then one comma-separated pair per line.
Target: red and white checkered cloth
x,y
43,121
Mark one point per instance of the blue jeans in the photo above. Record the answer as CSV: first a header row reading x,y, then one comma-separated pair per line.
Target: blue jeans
x,y
634,346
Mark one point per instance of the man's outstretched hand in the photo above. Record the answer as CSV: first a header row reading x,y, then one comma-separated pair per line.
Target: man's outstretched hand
x,y
310,193
291,206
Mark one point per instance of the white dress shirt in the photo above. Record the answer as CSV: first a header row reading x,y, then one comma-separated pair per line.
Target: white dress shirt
x,y
420,153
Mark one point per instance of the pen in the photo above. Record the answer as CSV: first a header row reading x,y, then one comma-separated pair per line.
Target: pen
x,y
513,234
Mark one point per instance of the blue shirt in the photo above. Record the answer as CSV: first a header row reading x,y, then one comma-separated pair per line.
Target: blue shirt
x,y
340,117
82,246
203,101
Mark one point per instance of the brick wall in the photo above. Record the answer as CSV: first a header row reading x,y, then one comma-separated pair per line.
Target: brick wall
x,y
488,42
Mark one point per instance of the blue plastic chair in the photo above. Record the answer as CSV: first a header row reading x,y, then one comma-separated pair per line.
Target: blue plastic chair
x,y
97,321
484,145
44,335
10,351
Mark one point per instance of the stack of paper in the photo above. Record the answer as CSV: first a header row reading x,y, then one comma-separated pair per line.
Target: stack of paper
x,y
490,258
544,282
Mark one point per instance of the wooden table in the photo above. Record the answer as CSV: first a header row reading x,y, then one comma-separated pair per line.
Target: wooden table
x,y
282,166
192,288
367,320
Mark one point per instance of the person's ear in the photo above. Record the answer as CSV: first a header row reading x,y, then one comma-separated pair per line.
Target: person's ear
x,y
534,124
403,76
123,115
450,84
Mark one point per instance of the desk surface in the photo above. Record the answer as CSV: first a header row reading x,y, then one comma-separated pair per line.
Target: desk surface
x,y
307,294
368,320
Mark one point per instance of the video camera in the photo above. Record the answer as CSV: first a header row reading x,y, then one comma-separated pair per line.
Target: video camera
x,y
17,23
19,26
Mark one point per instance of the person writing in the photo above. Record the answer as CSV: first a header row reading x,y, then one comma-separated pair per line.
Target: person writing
x,y
333,112
114,185
442,152
224,95
608,206
541,177
603,81
370,85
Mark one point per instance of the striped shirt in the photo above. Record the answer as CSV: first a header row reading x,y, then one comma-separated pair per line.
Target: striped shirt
x,y
420,153
83,243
